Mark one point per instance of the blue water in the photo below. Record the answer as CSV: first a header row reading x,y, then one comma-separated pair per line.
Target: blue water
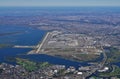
x,y
55,60
11,52
31,36
28,36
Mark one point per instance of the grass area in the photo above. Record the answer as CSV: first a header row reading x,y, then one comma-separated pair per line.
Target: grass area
x,y
87,57
79,57
113,56
43,65
114,72
30,65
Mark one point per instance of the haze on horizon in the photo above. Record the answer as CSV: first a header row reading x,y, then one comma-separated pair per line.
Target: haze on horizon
x,y
59,2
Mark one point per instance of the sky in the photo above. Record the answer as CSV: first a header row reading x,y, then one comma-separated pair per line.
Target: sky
x,y
59,2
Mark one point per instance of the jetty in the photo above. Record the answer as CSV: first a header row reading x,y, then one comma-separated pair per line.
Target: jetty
x,y
37,47
18,46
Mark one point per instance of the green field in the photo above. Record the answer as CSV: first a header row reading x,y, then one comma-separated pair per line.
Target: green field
x,y
30,65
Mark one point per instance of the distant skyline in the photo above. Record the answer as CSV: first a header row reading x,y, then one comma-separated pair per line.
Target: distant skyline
x,y
59,2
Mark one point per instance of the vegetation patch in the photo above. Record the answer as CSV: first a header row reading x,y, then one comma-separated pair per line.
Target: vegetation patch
x,y
30,65
87,57
113,55
114,72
